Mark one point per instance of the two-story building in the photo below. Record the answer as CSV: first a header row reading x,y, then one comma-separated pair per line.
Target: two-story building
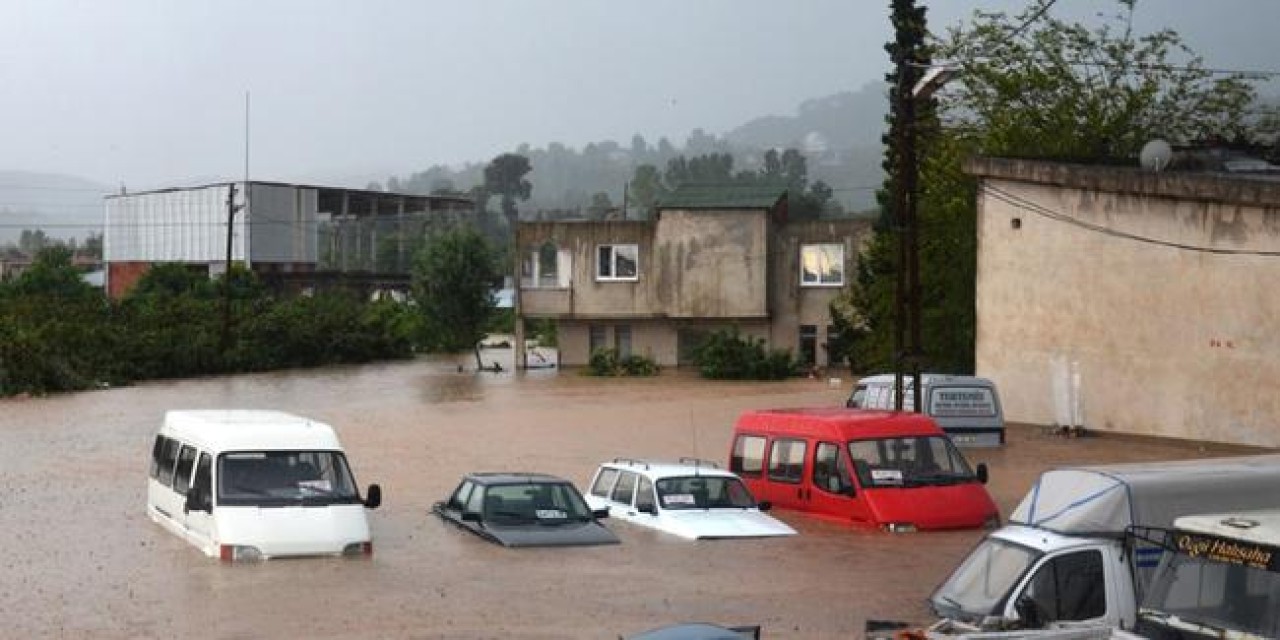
x,y
712,257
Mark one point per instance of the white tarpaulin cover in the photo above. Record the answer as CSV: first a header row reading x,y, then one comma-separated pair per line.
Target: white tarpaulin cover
x,y
1107,499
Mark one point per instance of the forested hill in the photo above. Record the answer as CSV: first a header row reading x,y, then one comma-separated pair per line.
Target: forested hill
x,y
63,206
838,134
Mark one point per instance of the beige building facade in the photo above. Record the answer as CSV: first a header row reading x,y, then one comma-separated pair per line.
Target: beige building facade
x,y
1131,301
658,287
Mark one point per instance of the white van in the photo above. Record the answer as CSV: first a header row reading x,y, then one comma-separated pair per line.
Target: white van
x,y
966,407
246,485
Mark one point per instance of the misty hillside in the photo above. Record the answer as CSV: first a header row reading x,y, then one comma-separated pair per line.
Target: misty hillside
x,y
61,205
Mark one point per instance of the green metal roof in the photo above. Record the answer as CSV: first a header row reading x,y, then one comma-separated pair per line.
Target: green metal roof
x,y
722,196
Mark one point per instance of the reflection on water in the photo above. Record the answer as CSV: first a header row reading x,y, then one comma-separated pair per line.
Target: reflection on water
x,y
82,559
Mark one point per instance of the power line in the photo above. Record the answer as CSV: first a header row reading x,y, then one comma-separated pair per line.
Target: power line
x,y
1040,210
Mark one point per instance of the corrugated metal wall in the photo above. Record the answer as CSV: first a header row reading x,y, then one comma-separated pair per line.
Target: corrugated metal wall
x,y
283,224
189,225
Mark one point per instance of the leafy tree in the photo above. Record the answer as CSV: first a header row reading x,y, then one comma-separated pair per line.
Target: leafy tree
x,y
646,188
1052,90
600,206
505,176
453,282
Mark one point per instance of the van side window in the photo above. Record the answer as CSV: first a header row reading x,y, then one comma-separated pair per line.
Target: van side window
x,y
186,463
168,457
830,473
1070,587
203,484
157,454
604,482
786,461
748,456
625,489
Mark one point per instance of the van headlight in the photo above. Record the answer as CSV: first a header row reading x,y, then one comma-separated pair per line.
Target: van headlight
x,y
899,527
239,553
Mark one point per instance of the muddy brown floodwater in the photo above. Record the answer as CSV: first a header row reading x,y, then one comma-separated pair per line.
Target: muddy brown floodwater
x,y
81,559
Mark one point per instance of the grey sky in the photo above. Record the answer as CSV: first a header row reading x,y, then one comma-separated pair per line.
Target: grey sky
x,y
153,92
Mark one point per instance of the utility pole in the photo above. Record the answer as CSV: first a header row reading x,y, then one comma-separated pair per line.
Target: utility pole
x,y
232,208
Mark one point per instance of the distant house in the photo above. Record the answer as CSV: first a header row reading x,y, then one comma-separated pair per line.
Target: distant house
x,y
291,235
1121,299
712,257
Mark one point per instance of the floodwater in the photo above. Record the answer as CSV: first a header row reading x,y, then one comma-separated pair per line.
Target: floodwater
x,y
81,559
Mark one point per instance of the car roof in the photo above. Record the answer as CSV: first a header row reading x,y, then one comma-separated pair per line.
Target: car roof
x,y
838,422
489,478
656,469
249,430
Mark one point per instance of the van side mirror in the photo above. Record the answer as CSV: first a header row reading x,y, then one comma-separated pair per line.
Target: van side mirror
x,y
983,474
600,514
373,497
197,500
764,505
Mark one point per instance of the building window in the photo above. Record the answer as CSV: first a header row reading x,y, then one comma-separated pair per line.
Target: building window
x,y
617,262
622,340
595,338
822,265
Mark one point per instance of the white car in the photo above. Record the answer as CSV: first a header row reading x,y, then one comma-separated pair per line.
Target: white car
x,y
693,499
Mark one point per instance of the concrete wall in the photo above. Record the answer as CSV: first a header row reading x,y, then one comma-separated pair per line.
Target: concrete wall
x,y
1167,341
792,305
711,264
654,339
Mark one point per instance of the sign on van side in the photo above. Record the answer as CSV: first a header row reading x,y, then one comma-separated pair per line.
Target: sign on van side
x,y
963,402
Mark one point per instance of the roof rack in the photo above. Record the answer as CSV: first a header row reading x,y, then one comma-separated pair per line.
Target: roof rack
x,y
699,462
631,461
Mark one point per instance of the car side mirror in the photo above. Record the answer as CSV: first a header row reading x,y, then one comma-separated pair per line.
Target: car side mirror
x,y
600,514
470,516
373,497
1029,613
983,474
197,501
764,505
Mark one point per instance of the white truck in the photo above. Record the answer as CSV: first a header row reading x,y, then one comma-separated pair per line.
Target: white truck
x,y
1221,579
1073,561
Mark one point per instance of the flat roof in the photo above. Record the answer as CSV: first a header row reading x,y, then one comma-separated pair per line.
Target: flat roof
x,y
249,430
270,183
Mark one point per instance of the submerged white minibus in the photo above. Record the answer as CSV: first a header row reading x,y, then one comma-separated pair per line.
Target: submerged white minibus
x,y
249,484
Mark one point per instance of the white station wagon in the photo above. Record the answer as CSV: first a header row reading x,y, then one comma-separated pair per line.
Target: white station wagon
x,y
693,499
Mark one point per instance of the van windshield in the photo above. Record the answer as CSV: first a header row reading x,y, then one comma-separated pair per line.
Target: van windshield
x,y
911,461
283,478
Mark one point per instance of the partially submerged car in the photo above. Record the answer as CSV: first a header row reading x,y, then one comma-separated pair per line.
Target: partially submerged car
x,y
524,510
693,499
700,631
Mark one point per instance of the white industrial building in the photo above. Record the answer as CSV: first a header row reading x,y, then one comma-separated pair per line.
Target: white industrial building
x,y
283,231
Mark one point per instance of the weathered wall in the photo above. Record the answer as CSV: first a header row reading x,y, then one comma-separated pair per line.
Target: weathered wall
x,y
589,297
711,264
792,305
283,220
1167,341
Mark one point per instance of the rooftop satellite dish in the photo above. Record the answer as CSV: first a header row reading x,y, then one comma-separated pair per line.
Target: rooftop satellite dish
x,y
1155,155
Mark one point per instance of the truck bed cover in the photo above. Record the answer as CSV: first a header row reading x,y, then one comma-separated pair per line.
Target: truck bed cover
x,y
1105,500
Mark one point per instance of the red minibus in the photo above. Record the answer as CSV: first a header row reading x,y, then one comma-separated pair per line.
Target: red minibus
x,y
890,470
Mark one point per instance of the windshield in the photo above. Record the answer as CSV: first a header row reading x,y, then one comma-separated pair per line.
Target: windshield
x,y
544,503
704,492
281,478
1205,597
910,461
980,585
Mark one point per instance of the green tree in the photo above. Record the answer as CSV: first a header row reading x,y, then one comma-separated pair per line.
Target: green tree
x,y
645,189
505,176
453,282
1051,90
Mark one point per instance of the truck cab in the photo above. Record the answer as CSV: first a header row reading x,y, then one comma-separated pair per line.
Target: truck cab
x,y
1221,579
1027,578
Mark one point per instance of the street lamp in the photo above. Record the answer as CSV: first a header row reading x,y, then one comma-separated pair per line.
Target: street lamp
x,y
907,335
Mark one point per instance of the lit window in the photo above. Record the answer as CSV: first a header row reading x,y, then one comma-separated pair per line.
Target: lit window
x,y
617,262
822,265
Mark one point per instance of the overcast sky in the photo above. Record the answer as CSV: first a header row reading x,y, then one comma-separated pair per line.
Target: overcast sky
x,y
147,93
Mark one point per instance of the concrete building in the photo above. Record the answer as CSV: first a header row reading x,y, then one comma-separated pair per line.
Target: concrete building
x,y
1152,294
711,258
291,235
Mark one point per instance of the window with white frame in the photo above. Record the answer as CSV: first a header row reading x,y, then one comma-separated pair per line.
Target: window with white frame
x,y
822,265
617,262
